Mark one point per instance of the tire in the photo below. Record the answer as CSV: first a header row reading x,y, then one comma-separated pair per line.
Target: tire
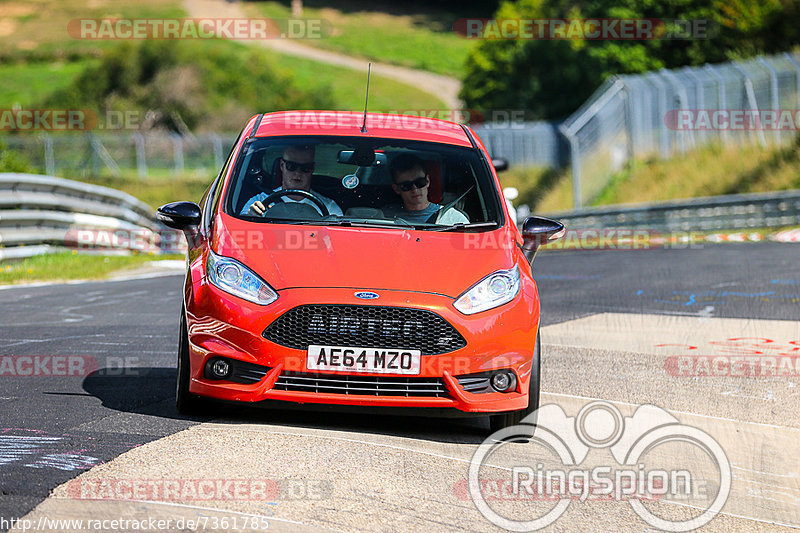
x,y
187,403
512,418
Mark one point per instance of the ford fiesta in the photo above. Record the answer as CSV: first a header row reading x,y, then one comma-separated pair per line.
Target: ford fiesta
x,y
362,260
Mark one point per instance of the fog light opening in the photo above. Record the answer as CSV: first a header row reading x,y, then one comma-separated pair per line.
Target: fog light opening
x,y
218,369
504,381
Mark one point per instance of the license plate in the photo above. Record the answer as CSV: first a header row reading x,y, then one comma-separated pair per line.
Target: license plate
x,y
353,359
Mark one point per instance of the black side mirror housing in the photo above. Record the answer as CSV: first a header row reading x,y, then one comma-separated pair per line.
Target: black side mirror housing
x,y
179,215
538,231
500,164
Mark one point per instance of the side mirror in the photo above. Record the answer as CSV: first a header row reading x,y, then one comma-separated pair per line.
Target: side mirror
x,y
499,164
179,215
538,231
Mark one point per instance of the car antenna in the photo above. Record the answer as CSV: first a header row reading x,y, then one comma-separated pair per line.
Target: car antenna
x,y
366,100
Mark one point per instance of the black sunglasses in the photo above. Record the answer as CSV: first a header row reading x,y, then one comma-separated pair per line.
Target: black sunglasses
x,y
406,186
292,166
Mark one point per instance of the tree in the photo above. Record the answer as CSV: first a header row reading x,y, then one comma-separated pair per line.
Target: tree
x,y
551,78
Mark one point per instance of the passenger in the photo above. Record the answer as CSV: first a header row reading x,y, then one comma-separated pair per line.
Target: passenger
x,y
297,166
411,183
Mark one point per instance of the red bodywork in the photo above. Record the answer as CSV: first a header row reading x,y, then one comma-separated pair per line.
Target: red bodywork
x,y
406,268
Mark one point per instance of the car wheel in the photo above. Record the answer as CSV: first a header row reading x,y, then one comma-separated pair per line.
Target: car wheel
x,y
512,418
187,403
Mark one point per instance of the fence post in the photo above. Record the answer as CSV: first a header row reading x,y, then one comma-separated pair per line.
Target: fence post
x,y
683,102
177,146
751,100
627,106
100,151
699,95
141,156
49,157
773,94
574,161
721,94
662,112
796,65
216,141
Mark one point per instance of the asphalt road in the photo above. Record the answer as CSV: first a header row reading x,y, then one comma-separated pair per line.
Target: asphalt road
x,y
117,341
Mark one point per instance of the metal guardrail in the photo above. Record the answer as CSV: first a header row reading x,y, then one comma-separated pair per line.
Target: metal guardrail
x,y
41,214
730,212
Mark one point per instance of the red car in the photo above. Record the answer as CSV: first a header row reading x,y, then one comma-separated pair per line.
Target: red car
x,y
361,260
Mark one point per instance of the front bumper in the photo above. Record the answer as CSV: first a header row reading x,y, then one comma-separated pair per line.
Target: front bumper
x,y
221,325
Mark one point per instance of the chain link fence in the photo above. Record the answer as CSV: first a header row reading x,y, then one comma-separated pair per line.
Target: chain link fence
x,y
669,112
658,114
529,144
632,116
103,154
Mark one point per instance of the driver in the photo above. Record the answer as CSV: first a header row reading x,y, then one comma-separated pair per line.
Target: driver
x,y
297,166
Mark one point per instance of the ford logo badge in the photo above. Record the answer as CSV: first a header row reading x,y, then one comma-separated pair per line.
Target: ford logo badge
x,y
365,295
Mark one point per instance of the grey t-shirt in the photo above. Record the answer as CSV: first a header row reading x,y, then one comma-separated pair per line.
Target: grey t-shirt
x,y
453,216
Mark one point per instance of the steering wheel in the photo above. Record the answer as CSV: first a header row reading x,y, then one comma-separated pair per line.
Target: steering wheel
x,y
274,197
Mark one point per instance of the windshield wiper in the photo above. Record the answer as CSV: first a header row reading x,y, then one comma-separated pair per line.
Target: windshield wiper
x,y
364,224
462,226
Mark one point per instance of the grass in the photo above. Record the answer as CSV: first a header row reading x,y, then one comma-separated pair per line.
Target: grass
x,y
38,28
70,266
40,56
27,84
709,171
383,33
347,87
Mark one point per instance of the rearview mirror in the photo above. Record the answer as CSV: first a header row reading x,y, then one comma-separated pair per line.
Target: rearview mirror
x,y
363,158
538,231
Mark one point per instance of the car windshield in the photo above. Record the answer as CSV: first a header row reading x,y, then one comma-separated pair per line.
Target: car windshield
x,y
356,181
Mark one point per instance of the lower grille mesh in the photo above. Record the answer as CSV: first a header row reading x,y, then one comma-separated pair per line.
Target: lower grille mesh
x,y
362,385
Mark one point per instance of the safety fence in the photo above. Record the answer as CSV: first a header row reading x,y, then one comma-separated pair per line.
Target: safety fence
x,y
669,112
116,153
41,214
729,212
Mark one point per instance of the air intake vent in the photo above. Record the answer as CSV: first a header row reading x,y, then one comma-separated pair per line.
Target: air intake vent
x,y
365,326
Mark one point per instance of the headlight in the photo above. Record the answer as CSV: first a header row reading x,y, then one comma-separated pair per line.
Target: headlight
x,y
234,278
492,291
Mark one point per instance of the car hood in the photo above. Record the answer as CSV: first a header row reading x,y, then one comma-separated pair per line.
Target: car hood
x,y
292,256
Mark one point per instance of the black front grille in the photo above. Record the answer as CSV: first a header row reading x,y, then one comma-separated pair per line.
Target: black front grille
x,y
365,326
362,385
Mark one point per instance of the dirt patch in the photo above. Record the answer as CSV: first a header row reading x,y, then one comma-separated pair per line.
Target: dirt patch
x,y
17,10
7,27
